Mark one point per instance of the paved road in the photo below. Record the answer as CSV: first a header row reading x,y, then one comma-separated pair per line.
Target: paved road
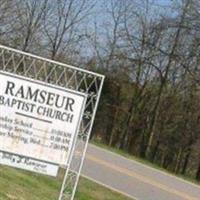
x,y
135,179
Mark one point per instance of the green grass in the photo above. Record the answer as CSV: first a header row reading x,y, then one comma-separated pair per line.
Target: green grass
x,y
88,190
142,161
20,185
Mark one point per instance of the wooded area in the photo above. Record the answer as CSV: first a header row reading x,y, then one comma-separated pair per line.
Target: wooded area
x,y
149,52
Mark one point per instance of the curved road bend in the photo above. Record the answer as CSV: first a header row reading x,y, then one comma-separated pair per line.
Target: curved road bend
x,y
135,179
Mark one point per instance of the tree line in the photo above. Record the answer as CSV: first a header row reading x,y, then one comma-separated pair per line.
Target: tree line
x,y
149,52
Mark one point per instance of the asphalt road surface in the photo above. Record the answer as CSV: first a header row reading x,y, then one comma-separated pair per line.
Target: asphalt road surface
x,y
134,179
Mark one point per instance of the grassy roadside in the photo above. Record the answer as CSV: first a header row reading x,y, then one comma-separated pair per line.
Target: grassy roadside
x,y
21,185
88,190
142,161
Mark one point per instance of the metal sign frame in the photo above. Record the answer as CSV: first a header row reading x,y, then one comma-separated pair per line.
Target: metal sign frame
x,y
77,79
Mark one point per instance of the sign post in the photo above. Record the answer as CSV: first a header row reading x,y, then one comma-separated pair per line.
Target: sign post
x,y
47,110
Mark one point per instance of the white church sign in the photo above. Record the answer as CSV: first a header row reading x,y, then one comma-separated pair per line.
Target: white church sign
x,y
47,110
39,122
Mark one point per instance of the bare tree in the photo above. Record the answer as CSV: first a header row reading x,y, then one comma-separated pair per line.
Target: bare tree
x,y
173,50
6,17
28,23
62,22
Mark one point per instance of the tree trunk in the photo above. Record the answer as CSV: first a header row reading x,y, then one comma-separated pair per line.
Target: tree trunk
x,y
155,150
113,129
131,144
198,173
115,115
126,129
178,161
143,146
186,161
162,160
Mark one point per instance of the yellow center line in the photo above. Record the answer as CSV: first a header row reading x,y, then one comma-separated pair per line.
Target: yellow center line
x,y
144,179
